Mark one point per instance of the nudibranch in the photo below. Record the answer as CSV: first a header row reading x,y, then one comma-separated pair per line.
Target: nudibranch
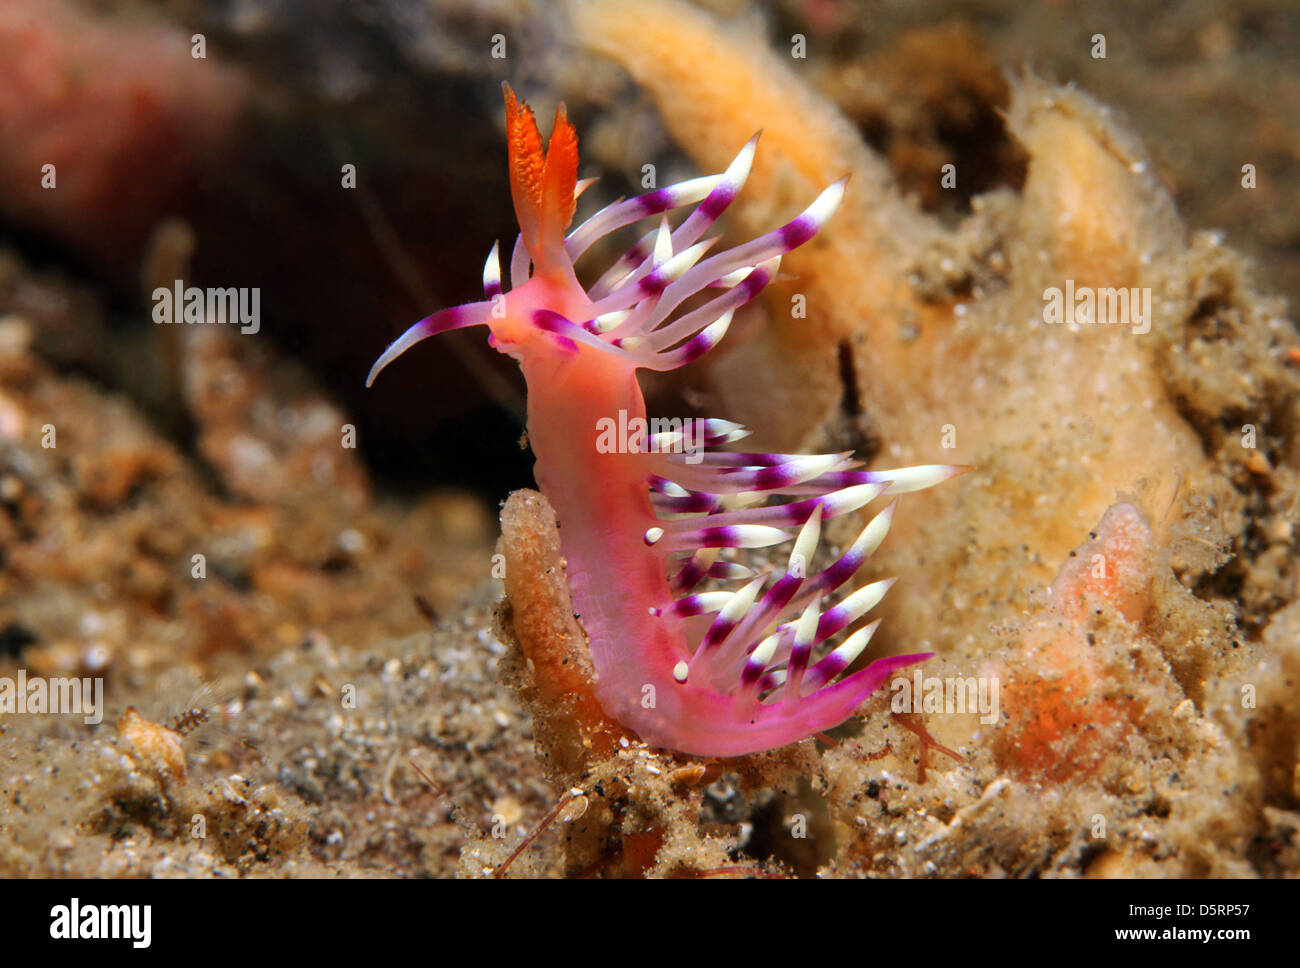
x,y
649,518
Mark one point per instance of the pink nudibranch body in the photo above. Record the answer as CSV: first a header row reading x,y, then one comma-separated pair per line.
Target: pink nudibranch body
x,y
646,518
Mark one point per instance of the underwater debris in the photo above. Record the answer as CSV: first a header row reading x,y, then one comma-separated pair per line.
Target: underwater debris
x,y
161,749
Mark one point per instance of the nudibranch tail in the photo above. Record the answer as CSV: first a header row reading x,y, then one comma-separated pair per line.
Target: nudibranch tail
x,y
694,650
